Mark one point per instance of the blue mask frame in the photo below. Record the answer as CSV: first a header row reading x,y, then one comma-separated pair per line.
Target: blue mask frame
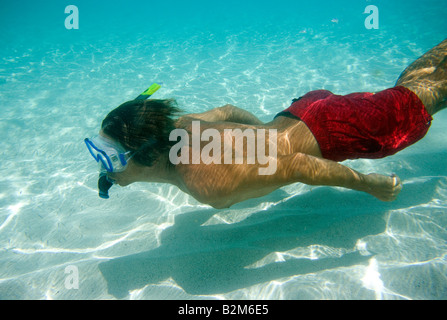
x,y
112,162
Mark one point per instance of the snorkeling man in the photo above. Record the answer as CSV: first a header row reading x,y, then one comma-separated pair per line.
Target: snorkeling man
x,y
313,135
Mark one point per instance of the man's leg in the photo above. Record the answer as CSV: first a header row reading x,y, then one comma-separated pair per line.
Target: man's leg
x,y
427,77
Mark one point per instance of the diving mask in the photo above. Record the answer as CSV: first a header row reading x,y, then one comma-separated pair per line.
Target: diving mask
x,y
112,156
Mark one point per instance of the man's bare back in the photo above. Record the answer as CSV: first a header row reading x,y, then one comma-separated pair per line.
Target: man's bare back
x,y
298,160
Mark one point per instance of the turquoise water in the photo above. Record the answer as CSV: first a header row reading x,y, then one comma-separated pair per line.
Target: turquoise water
x,y
151,241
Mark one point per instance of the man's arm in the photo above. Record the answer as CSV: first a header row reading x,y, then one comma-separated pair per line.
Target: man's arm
x,y
311,170
237,183
228,113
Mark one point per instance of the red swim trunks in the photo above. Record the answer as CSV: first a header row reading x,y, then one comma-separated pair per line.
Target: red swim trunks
x,y
362,125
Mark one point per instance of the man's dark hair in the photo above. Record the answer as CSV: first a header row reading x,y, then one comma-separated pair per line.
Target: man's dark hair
x,y
143,127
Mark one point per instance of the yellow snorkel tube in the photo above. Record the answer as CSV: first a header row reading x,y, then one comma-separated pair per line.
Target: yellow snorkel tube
x,y
148,92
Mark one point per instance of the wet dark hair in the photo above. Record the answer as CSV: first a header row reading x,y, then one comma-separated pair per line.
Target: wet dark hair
x,y
143,127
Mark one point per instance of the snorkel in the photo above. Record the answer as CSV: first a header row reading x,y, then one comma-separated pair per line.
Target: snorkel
x,y
104,182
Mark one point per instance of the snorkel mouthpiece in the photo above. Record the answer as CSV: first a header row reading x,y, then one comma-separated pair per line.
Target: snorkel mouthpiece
x,y
104,184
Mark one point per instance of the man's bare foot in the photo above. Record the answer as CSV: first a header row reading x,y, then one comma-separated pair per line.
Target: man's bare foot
x,y
385,188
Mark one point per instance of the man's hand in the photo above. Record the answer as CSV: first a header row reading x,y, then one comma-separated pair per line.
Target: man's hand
x,y
385,188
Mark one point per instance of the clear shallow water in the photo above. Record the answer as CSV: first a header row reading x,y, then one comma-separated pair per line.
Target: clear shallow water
x,y
300,242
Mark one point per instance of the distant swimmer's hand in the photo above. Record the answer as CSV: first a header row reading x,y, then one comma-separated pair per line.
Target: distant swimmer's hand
x,y
385,188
